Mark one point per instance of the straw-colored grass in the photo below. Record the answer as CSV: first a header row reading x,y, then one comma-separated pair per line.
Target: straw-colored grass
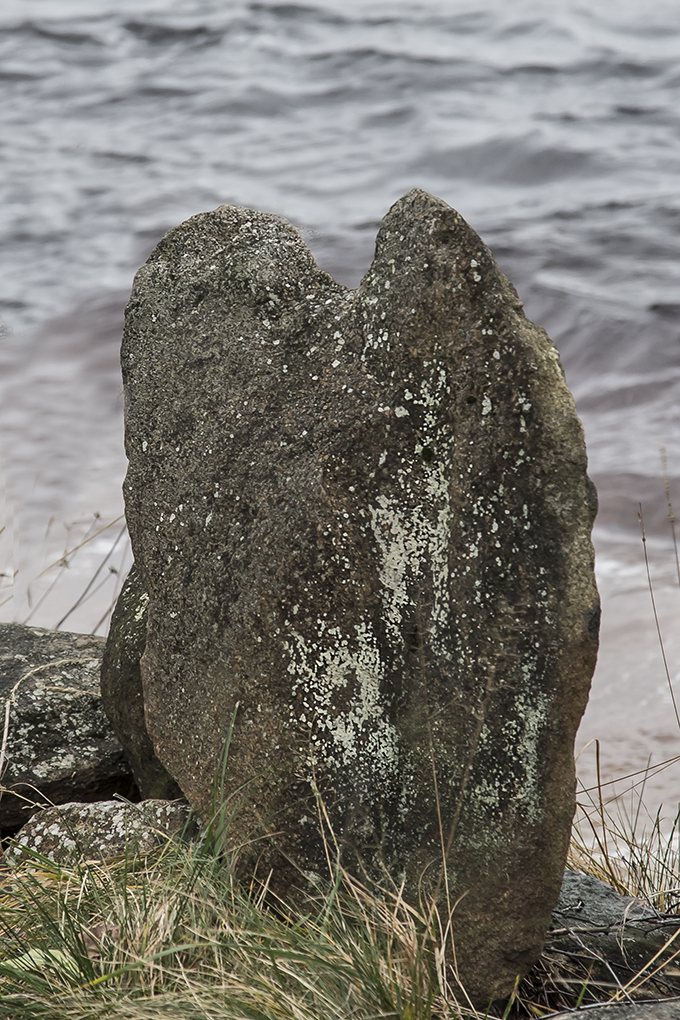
x,y
176,935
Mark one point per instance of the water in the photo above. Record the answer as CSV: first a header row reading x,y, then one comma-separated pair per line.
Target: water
x,y
554,129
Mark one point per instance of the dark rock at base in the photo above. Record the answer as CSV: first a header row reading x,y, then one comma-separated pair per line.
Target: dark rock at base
x,y
60,746
363,522
101,831
617,934
660,1010
585,899
121,687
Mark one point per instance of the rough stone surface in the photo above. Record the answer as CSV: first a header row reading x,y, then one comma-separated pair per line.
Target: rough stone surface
x,y
99,831
620,933
121,687
363,522
59,744
585,899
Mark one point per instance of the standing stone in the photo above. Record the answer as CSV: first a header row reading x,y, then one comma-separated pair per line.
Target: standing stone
x,y
363,521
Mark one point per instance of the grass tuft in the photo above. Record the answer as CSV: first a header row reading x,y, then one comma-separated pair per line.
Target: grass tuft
x,y
175,935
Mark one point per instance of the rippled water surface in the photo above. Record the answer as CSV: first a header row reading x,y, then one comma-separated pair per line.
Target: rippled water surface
x,y
554,129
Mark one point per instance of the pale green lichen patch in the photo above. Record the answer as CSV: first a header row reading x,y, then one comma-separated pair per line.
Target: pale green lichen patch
x,y
348,673
512,767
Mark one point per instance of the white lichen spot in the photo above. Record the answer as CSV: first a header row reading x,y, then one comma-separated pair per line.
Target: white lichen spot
x,y
141,609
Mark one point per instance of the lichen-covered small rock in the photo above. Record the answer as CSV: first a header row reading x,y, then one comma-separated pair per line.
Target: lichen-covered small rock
x,y
121,687
100,831
59,744
363,522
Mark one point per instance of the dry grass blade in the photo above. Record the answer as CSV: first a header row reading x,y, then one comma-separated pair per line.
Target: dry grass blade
x,y
39,591
80,545
671,515
90,588
656,616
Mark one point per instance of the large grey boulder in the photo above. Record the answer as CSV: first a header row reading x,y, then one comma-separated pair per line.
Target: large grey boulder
x,y
56,744
363,519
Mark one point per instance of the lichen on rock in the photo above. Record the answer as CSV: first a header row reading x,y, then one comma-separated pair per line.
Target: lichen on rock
x,y
56,743
107,829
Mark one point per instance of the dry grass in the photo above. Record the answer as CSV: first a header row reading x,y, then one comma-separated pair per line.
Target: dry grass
x,y
88,608
175,935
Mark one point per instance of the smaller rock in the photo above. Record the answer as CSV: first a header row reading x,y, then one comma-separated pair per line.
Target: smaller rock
x,y
664,1009
587,900
620,933
56,744
100,831
122,695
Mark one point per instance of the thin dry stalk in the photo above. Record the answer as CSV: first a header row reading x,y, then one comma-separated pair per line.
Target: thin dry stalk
x,y
88,591
671,515
80,545
656,616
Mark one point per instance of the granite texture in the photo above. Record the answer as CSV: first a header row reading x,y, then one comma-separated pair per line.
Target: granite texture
x,y
362,520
